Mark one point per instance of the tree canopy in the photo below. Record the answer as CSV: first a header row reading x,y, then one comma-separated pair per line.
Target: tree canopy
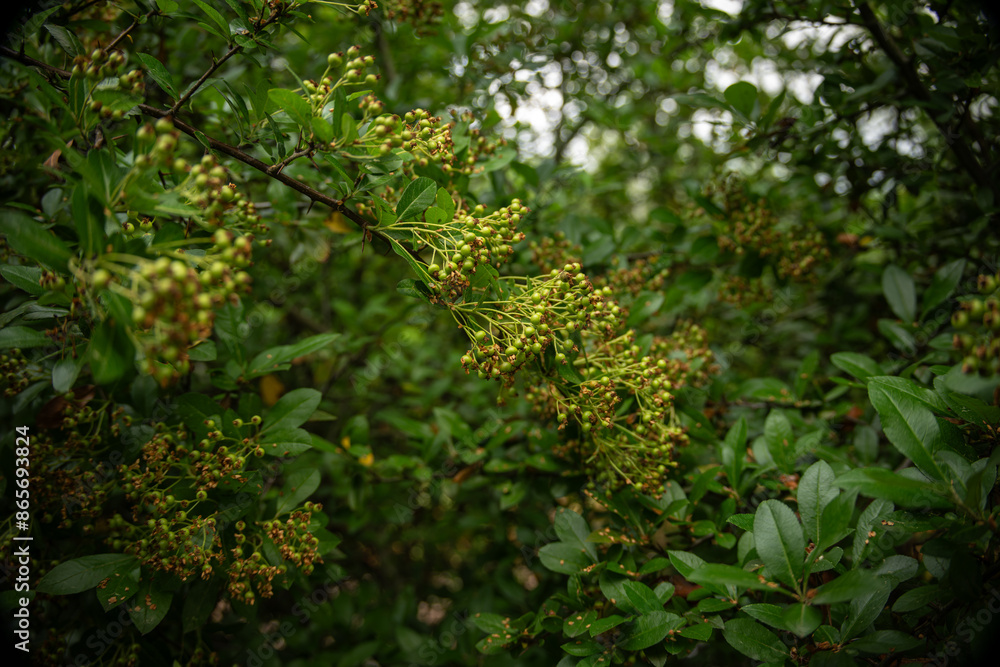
x,y
557,332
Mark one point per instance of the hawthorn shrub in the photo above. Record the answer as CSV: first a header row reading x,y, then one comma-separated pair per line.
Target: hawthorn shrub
x,y
309,360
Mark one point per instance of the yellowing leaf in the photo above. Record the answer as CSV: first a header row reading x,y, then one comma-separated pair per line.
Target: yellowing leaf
x,y
271,389
337,224
367,460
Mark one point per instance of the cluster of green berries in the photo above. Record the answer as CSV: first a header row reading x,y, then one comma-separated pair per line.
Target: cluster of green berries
x,y
175,300
13,379
553,252
210,189
471,239
632,447
642,274
978,323
538,312
421,14
161,139
73,481
101,64
753,226
172,526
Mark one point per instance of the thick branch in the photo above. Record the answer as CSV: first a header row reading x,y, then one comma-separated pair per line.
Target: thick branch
x,y
966,158
232,151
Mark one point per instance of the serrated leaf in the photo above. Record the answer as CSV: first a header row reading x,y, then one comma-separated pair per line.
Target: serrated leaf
x,y
23,277
158,72
292,104
418,195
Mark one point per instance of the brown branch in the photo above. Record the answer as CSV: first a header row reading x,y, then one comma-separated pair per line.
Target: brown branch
x,y
124,33
28,60
966,158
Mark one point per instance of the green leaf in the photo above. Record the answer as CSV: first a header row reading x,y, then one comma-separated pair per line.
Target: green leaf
x,y
300,485
292,410
158,73
744,521
582,647
272,359
802,619
572,529
910,426
220,22
649,630
897,285
322,129
118,587
286,441
886,641
66,39
30,239
199,602
729,575
771,614
701,632
858,365
149,606
605,624
685,562
743,96
754,640
865,607
891,486
203,351
577,624
418,195
779,437
563,558
779,541
815,492
64,374
292,104
846,587
24,277
22,337
918,598
110,353
81,574
641,597
942,285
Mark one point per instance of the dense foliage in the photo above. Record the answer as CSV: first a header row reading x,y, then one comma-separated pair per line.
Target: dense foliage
x,y
558,332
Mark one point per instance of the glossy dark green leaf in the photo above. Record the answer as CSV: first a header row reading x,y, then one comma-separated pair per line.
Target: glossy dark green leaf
x,y
158,73
815,491
942,286
887,485
801,619
30,239
649,630
292,410
910,426
779,541
860,366
418,195
150,606
897,285
754,640
865,606
563,558
275,357
80,574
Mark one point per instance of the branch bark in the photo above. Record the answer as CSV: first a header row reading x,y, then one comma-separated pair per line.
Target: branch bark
x,y
963,153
